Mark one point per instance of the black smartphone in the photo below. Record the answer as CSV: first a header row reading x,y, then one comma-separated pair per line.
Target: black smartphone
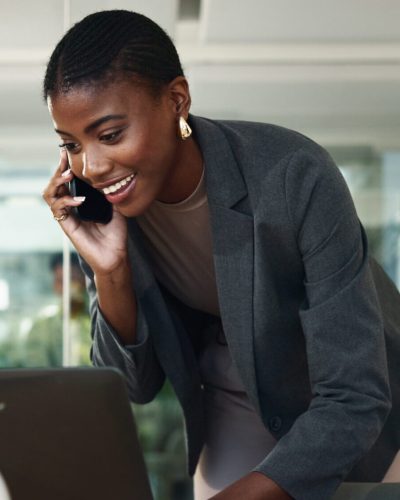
x,y
95,208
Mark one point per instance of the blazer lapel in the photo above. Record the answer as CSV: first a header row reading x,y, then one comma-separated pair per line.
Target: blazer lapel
x,y
166,334
233,247
173,346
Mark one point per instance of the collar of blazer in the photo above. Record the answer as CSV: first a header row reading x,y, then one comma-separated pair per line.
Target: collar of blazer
x,y
224,181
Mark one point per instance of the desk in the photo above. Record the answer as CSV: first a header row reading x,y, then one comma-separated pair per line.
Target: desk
x,y
368,491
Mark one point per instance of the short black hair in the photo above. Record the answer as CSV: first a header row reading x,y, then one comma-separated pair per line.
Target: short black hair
x,y
110,44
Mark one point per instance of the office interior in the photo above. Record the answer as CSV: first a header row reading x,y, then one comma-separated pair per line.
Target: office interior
x,y
330,70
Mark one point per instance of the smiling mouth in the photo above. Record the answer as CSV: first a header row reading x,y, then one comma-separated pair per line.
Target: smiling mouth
x,y
118,185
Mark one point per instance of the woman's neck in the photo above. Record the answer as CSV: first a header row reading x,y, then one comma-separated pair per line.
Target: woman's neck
x,y
186,174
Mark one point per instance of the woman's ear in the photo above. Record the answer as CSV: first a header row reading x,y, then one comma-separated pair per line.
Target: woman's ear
x,y
180,96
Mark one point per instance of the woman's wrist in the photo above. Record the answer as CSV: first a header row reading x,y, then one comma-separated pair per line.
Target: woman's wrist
x,y
253,486
117,301
120,271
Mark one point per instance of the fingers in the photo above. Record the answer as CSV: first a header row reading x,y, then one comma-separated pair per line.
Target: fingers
x,y
57,195
57,184
63,162
62,206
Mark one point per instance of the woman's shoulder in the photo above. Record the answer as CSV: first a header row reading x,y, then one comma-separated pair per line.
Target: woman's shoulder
x,y
265,142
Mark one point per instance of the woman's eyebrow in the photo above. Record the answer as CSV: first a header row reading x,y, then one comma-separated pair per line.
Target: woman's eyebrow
x,y
102,120
96,123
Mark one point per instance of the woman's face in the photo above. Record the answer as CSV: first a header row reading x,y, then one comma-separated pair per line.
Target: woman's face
x,y
124,141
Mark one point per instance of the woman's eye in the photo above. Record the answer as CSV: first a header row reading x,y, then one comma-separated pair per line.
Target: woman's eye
x,y
110,137
69,146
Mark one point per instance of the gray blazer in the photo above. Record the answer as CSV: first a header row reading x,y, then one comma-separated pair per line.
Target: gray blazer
x,y
298,306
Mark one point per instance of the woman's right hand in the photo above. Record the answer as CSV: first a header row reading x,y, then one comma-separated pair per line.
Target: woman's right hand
x,y
103,246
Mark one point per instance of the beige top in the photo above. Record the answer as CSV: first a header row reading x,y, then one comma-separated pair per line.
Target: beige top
x,y
178,237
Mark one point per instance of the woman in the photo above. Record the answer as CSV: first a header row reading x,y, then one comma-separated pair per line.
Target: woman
x,y
234,265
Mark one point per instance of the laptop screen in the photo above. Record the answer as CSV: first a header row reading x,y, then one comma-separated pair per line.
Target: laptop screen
x,y
69,433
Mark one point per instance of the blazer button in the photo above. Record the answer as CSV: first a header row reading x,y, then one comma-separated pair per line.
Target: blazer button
x,y
275,423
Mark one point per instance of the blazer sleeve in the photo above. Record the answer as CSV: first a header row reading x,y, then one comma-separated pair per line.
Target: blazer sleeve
x,y
343,332
137,362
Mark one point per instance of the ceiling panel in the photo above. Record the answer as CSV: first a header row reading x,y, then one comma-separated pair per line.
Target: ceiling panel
x,y
164,12
333,103
29,24
305,20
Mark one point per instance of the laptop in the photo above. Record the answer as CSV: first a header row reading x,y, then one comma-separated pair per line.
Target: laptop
x,y
69,434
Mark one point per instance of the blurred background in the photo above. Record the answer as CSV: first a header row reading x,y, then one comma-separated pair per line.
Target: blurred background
x,y
329,69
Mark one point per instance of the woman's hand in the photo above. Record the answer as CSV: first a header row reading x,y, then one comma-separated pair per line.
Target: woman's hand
x,y
103,246
253,486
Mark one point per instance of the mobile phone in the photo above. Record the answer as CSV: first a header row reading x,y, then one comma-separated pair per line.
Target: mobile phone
x,y
95,208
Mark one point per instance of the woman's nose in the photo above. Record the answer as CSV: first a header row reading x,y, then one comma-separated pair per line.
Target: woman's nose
x,y
95,166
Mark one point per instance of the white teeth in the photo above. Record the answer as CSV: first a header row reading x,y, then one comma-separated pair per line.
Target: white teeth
x,y
118,185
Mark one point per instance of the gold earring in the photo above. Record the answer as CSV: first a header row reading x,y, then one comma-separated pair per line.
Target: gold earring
x,y
184,128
